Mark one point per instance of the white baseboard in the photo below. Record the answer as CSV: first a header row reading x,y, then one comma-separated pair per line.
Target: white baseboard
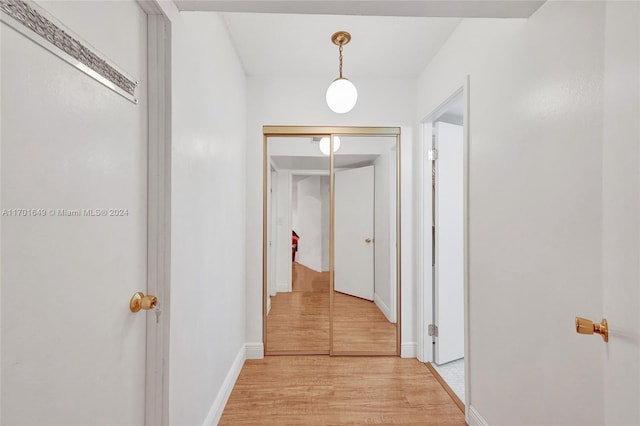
x,y
474,418
408,350
383,307
225,391
282,288
254,350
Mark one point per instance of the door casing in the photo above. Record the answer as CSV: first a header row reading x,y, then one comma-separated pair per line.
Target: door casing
x,y
424,248
158,211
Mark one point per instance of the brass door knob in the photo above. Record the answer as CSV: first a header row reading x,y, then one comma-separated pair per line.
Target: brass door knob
x,y
368,240
585,326
140,301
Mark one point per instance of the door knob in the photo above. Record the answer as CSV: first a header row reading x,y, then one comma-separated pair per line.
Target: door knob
x,y
368,240
140,301
585,326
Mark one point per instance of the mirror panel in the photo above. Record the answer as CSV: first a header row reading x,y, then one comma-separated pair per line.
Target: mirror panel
x,y
297,319
365,281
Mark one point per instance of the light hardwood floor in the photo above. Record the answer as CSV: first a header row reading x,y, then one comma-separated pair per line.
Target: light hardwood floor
x,y
299,320
323,390
358,325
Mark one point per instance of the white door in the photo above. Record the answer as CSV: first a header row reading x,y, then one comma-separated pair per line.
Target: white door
x,y
354,245
74,228
449,247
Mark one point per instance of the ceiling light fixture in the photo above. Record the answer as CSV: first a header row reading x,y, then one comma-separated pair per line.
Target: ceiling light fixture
x,y
341,94
325,143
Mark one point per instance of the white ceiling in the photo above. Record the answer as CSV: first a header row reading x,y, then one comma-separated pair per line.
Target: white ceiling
x,y
300,45
389,38
425,8
285,162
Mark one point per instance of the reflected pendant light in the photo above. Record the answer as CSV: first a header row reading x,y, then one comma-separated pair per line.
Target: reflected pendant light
x,y
325,144
341,94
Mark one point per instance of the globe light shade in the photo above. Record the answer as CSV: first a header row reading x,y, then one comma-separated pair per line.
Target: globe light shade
x,y
342,95
326,142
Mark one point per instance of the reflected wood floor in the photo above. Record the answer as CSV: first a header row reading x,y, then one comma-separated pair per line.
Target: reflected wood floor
x,y
358,325
306,279
299,321
322,390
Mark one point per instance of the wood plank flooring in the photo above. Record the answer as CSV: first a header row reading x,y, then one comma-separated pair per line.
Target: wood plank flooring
x,y
299,321
306,279
358,325
323,390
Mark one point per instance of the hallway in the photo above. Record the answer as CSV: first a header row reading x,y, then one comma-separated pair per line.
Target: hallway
x,y
322,390
153,114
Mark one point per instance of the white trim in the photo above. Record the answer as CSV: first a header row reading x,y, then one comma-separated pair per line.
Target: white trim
x,y
268,304
254,350
1,316
225,390
283,288
474,418
408,350
383,307
423,251
158,217
465,209
150,7
425,302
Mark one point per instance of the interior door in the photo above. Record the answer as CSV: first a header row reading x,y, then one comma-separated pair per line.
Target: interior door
x,y
354,242
74,230
449,243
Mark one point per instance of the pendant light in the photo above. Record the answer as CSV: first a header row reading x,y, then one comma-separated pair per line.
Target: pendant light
x,y
341,94
325,144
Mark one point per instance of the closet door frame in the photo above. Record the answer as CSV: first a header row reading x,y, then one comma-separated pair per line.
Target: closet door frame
x,y
329,131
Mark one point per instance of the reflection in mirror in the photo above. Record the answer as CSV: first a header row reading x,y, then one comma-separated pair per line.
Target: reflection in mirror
x,y
297,250
365,283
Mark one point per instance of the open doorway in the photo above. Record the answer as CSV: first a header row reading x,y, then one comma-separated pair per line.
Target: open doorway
x,y
444,217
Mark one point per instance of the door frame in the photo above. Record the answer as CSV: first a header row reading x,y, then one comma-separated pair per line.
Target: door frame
x,y
158,211
329,131
424,203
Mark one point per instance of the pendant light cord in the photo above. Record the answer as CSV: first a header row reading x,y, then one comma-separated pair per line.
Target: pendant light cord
x,y
340,60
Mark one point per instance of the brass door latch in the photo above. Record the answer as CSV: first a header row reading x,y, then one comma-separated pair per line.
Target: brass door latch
x,y
140,301
585,326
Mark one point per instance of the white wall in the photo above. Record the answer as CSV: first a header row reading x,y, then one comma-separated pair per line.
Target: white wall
x,y
535,214
385,226
309,223
325,194
208,215
283,222
621,210
301,101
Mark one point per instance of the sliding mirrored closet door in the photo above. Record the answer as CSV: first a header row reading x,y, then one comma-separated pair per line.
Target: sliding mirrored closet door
x,y
297,250
331,281
364,314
